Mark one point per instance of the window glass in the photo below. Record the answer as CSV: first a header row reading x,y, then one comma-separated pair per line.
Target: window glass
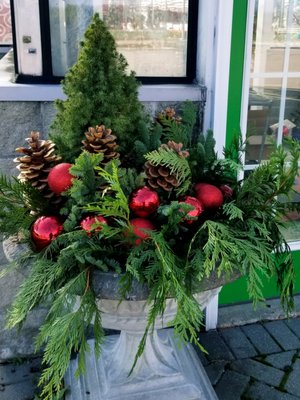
x,y
151,34
274,98
5,23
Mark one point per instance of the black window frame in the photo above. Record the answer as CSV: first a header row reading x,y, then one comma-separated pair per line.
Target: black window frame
x,y
47,73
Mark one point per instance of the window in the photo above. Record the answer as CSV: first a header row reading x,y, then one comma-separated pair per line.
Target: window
x,y
274,97
5,27
157,37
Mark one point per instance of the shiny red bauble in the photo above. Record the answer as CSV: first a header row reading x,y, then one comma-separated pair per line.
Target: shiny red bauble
x,y
44,230
209,196
227,191
89,223
143,201
197,210
59,178
139,227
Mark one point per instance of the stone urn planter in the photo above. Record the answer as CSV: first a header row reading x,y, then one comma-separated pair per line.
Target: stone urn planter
x,y
167,369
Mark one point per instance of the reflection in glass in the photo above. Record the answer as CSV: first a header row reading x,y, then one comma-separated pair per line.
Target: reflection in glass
x,y
292,109
151,34
263,115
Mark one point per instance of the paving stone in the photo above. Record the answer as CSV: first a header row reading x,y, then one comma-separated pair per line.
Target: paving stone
x,y
293,383
281,360
215,346
260,391
18,391
10,373
259,371
261,339
215,370
283,335
238,343
231,386
204,361
296,365
294,325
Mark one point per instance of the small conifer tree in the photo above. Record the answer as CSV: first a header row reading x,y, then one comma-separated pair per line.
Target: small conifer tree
x,y
99,91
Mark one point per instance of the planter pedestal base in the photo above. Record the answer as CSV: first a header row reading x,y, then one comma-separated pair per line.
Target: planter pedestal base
x,y
165,371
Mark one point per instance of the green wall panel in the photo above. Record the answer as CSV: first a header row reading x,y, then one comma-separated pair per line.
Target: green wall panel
x,y
236,292
239,23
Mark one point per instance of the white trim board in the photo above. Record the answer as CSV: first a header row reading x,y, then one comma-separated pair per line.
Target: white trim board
x,y
41,92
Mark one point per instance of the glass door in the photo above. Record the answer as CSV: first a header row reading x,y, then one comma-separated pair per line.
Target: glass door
x,y
273,103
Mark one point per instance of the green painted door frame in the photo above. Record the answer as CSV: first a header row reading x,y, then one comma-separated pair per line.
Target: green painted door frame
x,y
237,291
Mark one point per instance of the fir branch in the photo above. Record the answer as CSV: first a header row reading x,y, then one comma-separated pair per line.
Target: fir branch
x,y
130,179
176,132
17,200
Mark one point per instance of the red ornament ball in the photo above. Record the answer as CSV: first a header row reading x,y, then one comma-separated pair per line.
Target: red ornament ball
x,y
44,230
138,225
143,201
209,196
198,208
59,178
227,191
88,222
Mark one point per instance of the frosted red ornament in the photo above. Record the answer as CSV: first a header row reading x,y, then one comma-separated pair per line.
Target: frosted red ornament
x,y
143,201
89,223
209,195
44,230
139,226
59,178
196,211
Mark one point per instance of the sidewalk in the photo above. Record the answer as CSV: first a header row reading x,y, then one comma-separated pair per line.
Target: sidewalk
x,y
258,361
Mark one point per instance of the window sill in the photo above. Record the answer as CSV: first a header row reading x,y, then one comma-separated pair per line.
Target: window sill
x,y
10,91
294,245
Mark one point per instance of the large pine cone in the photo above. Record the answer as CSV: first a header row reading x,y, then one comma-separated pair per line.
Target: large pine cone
x,y
160,176
35,164
168,114
101,140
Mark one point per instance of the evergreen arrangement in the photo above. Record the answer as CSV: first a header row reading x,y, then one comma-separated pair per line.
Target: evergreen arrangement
x,y
149,200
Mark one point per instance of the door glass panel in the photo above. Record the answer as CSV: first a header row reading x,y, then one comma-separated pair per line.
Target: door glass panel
x,y
269,36
263,115
292,109
274,97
